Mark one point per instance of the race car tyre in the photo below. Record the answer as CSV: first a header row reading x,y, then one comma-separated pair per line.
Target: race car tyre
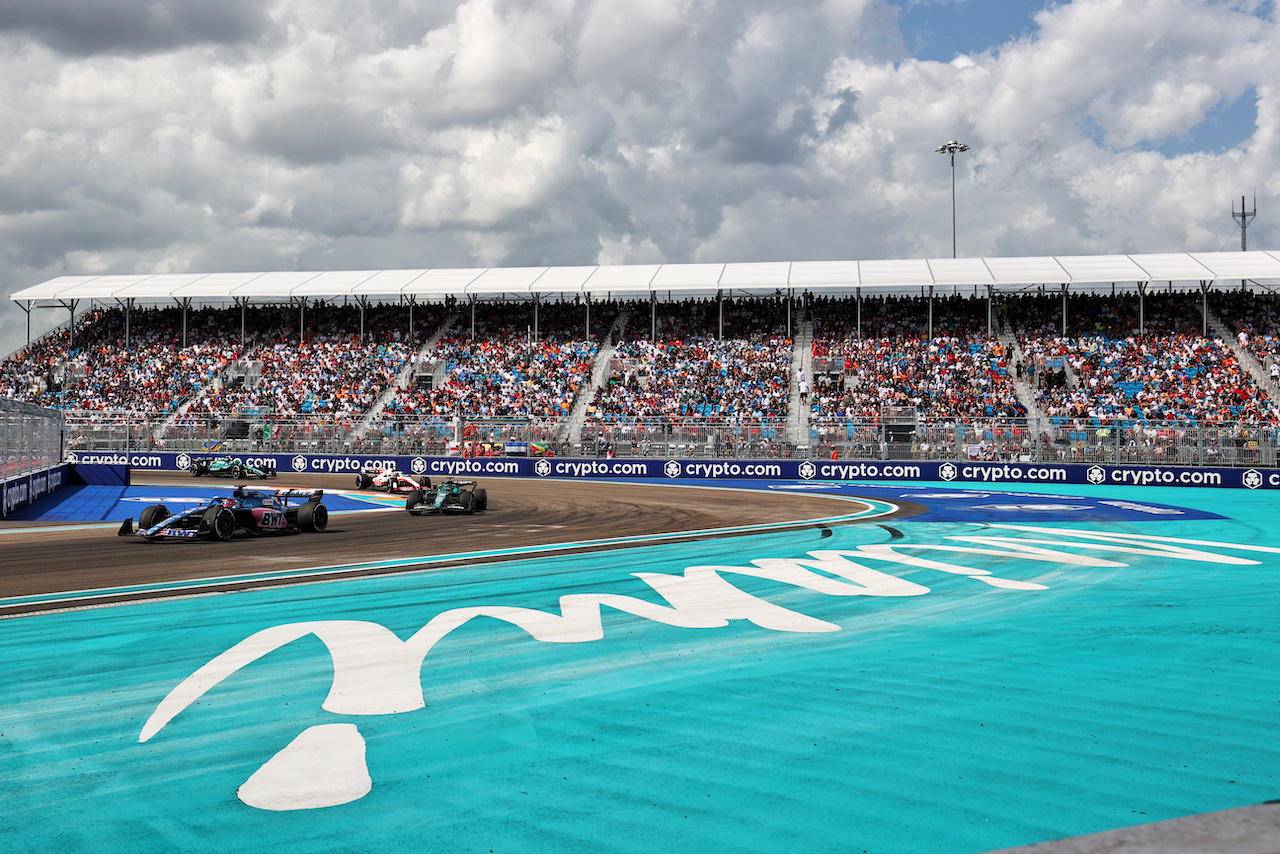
x,y
221,523
152,515
482,499
414,499
313,516
363,481
467,501
195,471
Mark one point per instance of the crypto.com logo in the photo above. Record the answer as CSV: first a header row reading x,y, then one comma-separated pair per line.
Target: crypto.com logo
x,y
377,673
542,468
948,471
1096,474
671,469
183,461
299,463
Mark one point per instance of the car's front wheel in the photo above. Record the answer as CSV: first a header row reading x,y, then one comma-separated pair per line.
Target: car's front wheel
x,y
414,499
152,515
221,523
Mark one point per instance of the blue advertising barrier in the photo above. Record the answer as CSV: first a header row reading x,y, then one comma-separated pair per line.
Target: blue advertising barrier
x,y
812,470
23,490
96,474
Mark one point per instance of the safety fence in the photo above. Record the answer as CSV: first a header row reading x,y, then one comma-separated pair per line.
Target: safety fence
x,y
925,439
31,438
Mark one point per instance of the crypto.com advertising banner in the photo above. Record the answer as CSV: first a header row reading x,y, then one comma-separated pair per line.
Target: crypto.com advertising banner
x,y
18,492
814,470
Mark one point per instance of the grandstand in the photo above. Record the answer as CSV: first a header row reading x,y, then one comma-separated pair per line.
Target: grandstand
x,y
956,359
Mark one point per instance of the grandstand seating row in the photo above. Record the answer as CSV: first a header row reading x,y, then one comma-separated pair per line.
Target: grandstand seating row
x,y
1119,362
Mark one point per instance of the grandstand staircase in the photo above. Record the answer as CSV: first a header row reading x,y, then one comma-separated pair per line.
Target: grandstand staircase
x,y
1026,395
233,371
798,411
601,368
402,380
1245,357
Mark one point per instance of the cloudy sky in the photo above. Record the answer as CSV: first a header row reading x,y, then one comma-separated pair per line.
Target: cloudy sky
x,y
185,135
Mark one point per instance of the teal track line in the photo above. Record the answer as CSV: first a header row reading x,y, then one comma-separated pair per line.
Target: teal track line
x,y
1116,678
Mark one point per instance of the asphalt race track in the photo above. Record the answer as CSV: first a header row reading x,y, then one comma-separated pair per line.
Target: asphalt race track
x,y
48,557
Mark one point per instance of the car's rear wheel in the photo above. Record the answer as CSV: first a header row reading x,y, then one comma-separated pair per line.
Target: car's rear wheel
x,y
467,501
152,515
221,523
363,481
482,499
313,516
414,499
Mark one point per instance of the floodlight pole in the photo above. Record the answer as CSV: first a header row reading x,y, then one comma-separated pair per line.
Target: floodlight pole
x,y
951,147
1244,216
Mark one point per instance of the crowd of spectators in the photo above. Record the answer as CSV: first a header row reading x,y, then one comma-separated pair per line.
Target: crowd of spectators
x,y
1126,362
701,359
96,369
165,359
332,370
510,369
1255,319
960,372
1119,361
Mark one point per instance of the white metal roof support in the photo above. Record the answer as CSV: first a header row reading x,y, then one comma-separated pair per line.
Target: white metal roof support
x,y
1204,308
931,312
70,305
1064,309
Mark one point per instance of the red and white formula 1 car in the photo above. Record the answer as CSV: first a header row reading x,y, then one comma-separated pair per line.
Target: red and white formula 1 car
x,y
390,480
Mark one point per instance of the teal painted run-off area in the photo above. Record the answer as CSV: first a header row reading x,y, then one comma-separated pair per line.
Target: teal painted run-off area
x,y
1006,677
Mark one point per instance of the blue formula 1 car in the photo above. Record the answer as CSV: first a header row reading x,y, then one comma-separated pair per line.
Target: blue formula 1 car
x,y
246,513
449,496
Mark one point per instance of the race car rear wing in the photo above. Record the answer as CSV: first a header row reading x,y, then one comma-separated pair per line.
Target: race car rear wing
x,y
309,494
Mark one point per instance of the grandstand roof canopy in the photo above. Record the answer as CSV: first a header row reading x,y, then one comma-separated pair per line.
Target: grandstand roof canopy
x,y
430,285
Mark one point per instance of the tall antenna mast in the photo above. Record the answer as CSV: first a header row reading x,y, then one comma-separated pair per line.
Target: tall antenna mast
x,y
1245,217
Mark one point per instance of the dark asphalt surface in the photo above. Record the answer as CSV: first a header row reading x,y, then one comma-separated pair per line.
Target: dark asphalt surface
x,y
521,513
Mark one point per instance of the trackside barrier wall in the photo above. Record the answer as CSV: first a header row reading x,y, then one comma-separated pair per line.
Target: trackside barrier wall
x,y
24,490
31,443
98,474
719,469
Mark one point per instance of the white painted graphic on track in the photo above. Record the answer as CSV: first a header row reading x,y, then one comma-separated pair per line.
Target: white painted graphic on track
x,y
377,673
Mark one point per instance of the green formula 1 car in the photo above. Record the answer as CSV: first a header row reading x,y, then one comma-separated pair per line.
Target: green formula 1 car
x,y
449,496
228,467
